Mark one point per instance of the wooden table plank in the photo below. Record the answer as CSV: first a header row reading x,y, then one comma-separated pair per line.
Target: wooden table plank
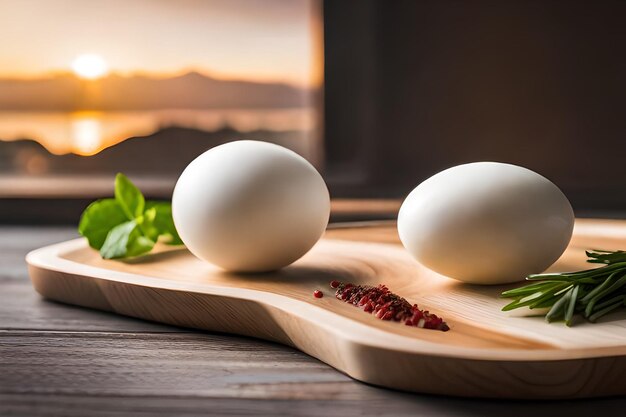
x,y
145,364
62,373
16,242
396,405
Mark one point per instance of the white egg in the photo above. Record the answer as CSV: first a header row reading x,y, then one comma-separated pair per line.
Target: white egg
x,y
486,223
250,206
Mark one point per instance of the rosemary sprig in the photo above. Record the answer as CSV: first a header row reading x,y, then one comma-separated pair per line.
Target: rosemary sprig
x,y
591,293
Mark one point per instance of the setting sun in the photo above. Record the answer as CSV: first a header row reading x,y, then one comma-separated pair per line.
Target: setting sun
x,y
90,66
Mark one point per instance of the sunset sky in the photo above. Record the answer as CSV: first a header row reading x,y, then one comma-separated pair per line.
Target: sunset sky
x,y
263,40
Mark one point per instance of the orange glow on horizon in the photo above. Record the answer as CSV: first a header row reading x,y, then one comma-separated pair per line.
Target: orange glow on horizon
x,y
314,81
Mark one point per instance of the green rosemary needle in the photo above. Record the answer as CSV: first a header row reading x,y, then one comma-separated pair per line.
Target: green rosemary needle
x,y
591,293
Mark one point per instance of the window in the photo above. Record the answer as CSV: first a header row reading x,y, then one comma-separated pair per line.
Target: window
x,y
88,89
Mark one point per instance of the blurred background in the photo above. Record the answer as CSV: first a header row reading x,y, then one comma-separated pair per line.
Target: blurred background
x,y
379,95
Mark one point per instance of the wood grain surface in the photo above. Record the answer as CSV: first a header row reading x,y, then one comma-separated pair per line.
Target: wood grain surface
x,y
503,356
35,380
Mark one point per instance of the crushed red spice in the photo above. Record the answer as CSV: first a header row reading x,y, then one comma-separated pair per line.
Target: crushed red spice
x,y
318,294
386,305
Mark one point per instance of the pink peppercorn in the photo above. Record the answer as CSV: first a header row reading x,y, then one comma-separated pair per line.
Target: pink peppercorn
x,y
386,305
318,294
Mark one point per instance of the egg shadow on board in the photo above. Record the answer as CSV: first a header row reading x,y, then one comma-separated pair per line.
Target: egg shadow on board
x,y
295,274
167,254
480,289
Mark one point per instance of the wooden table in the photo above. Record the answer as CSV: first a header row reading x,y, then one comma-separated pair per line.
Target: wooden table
x,y
62,360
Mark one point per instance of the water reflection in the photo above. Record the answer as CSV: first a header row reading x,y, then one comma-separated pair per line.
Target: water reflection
x,y
86,134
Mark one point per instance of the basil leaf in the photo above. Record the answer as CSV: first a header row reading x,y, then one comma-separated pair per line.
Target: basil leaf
x,y
126,240
164,222
138,244
127,225
129,197
147,224
98,219
117,240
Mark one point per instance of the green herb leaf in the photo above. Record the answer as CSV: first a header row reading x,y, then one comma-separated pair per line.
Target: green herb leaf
x,y
591,292
164,222
138,244
126,240
130,199
115,245
146,223
572,298
98,219
127,225
605,257
557,309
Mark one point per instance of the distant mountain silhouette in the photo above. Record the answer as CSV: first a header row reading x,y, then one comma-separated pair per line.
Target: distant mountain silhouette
x,y
165,153
65,92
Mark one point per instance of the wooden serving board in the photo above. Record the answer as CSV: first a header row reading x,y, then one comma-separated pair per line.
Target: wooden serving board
x,y
487,353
